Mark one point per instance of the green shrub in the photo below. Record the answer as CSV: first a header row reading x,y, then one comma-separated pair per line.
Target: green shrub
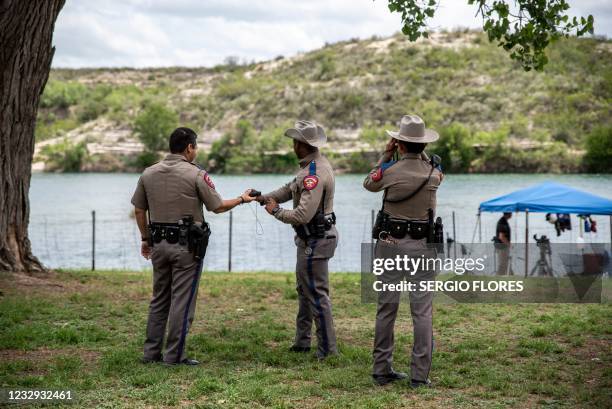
x,y
598,157
372,135
232,151
352,100
358,163
121,101
274,139
201,157
236,85
146,159
376,136
65,156
154,125
90,110
60,94
454,148
94,104
553,157
326,66
54,128
243,151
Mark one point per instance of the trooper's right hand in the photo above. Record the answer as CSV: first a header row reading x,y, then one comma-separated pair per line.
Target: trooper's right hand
x,y
391,146
145,249
246,196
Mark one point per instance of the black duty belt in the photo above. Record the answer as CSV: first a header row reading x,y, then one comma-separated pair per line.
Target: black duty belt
x,y
165,231
316,228
400,228
186,233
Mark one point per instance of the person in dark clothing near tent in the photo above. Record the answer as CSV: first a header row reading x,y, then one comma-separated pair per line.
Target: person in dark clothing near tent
x,y
502,244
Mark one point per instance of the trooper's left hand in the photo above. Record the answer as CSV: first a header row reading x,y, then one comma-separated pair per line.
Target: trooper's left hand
x,y
271,205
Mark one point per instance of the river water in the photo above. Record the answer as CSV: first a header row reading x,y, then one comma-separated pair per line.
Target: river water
x,y
61,219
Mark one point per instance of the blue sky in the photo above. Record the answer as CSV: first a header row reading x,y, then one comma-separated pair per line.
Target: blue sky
x,y
157,33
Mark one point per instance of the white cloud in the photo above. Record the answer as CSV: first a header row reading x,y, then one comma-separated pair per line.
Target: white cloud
x,y
143,33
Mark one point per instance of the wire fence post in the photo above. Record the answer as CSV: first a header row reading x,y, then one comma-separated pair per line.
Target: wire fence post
x,y
479,226
454,238
229,252
526,241
93,240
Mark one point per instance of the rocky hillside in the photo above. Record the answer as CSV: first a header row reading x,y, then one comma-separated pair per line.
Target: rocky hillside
x,y
493,116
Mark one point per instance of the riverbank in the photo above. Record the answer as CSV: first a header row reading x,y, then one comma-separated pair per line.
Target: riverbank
x,y
84,331
61,156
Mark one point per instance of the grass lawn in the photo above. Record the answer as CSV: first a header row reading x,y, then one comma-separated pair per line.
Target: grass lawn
x,y
84,331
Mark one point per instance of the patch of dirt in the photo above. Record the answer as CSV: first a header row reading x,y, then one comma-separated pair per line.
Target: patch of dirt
x,y
49,283
593,350
604,47
381,46
45,354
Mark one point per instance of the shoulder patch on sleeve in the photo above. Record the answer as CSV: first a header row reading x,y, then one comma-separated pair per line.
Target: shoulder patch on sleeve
x,y
208,180
310,182
376,174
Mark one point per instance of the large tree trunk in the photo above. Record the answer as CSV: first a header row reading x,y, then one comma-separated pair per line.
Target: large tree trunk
x,y
26,31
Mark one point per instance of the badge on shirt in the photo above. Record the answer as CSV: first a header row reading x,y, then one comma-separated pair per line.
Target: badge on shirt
x,y
310,182
208,180
376,175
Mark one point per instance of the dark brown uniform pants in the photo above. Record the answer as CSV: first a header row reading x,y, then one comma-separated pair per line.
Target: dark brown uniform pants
x,y
176,275
420,308
312,276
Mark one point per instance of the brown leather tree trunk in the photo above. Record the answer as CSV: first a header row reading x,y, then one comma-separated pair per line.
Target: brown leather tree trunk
x,y
26,31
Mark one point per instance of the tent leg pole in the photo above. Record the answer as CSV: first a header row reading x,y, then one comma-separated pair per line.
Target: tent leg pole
x,y
480,226
526,241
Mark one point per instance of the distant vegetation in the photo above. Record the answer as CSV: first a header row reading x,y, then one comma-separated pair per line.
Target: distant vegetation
x,y
65,156
152,126
493,116
599,150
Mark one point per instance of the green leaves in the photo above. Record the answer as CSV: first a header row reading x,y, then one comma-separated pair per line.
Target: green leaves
x,y
524,28
154,125
414,15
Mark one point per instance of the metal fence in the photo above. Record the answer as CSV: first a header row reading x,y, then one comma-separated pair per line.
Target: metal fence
x,y
248,239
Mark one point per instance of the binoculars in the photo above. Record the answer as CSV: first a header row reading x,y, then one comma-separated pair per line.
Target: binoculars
x,y
256,193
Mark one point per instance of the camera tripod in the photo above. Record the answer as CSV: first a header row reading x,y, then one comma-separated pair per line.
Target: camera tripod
x,y
543,266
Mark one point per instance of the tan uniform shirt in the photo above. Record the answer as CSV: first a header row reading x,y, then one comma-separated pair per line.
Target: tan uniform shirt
x,y
306,202
174,188
400,179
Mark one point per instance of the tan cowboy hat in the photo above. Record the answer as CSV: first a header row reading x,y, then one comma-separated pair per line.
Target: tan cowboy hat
x,y
308,132
412,129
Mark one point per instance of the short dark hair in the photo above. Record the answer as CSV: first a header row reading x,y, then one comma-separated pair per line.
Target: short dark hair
x,y
413,147
181,138
309,148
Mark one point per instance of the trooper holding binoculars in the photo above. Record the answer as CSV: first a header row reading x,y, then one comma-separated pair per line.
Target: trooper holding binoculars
x,y
313,219
405,224
175,238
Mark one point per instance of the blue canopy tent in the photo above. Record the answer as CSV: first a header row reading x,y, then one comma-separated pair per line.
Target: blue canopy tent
x,y
548,197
